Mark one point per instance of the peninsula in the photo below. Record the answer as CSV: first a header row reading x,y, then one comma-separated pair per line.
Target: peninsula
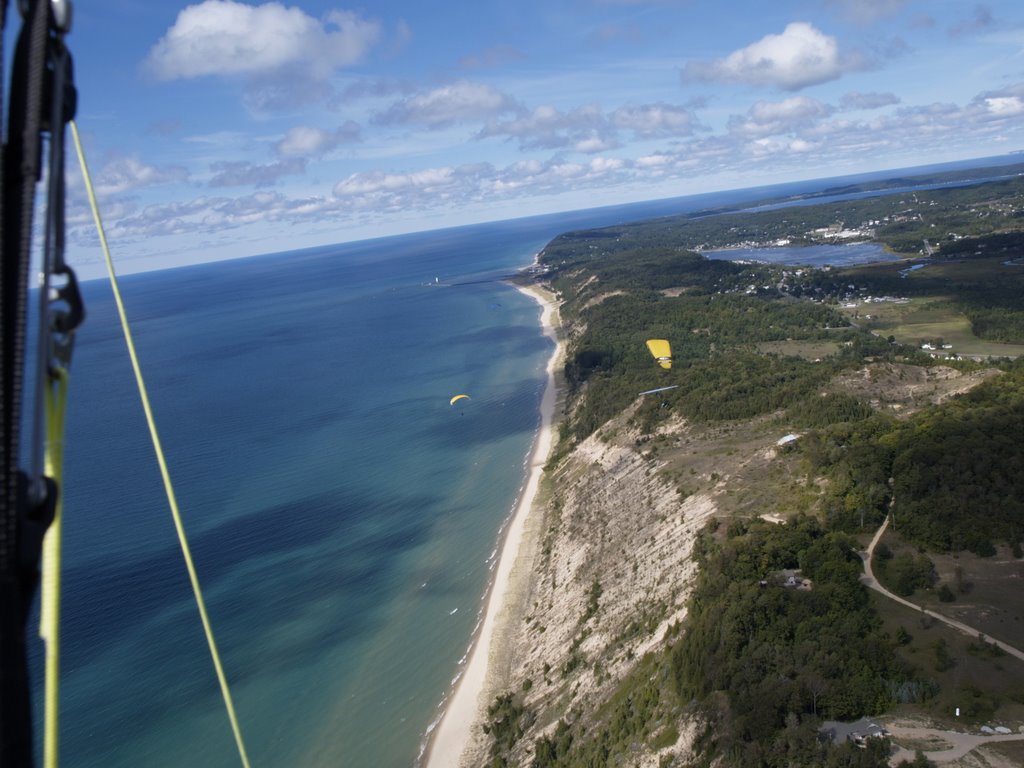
x,y
682,585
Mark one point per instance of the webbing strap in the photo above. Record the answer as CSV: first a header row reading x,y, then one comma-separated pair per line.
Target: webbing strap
x,y
49,604
18,544
21,171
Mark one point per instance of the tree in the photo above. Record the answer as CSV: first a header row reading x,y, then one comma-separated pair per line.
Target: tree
x,y
816,685
920,761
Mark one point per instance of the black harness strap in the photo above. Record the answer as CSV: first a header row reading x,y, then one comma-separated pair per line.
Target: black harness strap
x,y
40,67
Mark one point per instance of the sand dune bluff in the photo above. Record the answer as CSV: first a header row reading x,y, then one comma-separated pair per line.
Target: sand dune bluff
x,y
605,568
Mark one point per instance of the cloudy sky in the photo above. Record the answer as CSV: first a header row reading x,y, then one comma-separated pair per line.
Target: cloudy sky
x,y
223,128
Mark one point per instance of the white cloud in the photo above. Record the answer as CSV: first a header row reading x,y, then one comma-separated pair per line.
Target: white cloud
x,y
769,118
472,183
122,174
377,181
606,164
656,160
243,174
800,145
585,129
764,147
594,143
655,120
304,141
926,127
156,220
555,176
789,135
284,91
795,108
567,170
259,206
79,216
206,215
223,37
779,148
374,89
1005,106
425,189
858,100
449,104
799,57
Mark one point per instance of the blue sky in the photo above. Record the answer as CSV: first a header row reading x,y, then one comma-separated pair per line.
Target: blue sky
x,y
224,129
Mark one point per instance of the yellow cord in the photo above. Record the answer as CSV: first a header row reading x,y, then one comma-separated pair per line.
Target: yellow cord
x,y
160,456
49,607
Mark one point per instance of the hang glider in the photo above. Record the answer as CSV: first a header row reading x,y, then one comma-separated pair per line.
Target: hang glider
x,y
661,350
659,389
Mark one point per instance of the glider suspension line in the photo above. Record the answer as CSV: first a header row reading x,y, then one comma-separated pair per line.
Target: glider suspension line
x,y
158,449
42,100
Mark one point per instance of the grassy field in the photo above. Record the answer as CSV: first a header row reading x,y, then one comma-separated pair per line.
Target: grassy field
x,y
985,682
988,593
916,320
987,688
739,464
993,593
1013,751
808,350
928,313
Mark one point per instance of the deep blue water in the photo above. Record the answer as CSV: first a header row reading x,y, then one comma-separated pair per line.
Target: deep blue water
x,y
340,511
820,200
343,516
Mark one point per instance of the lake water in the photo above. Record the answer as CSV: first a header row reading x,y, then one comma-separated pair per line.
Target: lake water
x,y
343,516
810,255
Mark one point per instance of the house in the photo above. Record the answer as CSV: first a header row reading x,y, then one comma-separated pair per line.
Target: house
x,y
791,579
873,731
859,731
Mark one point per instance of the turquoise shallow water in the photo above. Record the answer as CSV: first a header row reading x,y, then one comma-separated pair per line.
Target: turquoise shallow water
x,y
340,511
343,516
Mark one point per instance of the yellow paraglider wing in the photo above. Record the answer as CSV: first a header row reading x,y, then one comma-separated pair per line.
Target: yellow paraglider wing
x,y
662,351
456,398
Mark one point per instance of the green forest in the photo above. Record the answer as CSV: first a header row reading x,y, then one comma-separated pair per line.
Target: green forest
x,y
761,665
951,473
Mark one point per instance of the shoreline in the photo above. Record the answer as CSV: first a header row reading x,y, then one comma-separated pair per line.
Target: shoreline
x,y
448,743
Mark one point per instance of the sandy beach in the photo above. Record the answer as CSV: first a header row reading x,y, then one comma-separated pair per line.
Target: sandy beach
x,y
469,701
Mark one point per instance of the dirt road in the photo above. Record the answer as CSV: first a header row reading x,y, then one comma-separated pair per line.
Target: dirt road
x,y
960,743
870,581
